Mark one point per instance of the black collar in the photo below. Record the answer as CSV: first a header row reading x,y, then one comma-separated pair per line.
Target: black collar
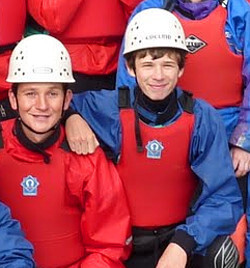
x,y
36,147
165,109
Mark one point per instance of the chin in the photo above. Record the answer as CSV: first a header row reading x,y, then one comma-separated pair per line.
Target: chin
x,y
155,98
42,128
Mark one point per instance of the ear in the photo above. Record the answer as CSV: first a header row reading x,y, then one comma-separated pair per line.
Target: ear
x,y
68,98
12,99
130,70
181,71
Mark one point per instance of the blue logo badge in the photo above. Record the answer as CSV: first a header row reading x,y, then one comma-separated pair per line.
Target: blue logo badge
x,y
154,149
30,185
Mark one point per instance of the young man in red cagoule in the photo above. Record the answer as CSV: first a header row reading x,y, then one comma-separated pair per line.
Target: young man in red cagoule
x,y
72,208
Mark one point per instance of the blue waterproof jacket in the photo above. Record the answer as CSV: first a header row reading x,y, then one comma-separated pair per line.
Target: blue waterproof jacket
x,y
15,250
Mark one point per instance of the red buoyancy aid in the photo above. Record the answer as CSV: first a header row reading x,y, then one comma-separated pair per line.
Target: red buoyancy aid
x,y
12,21
95,20
159,190
50,219
212,71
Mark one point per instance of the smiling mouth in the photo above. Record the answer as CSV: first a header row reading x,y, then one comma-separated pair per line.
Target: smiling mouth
x,y
40,116
157,86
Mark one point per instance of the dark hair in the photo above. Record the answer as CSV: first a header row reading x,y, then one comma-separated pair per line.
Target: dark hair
x,y
14,87
156,53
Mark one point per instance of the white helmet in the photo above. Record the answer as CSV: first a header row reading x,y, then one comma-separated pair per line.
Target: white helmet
x,y
154,28
40,58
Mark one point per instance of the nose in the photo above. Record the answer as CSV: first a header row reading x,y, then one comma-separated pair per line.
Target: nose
x,y
41,102
157,73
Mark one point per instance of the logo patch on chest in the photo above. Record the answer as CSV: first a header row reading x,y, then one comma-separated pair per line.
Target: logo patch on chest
x,y
30,186
154,149
194,44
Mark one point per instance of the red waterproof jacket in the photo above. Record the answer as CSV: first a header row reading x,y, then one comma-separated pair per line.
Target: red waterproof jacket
x,y
72,209
12,22
91,30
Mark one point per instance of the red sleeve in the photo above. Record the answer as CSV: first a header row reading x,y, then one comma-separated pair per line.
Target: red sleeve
x,y
105,223
53,15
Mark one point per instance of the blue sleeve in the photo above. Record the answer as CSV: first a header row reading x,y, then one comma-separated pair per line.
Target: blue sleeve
x,y
238,25
100,109
123,79
15,250
219,205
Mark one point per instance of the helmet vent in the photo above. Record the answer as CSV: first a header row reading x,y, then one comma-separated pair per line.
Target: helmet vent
x,y
66,71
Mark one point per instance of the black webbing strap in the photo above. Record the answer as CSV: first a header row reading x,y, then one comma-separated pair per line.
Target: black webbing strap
x,y
187,102
124,103
138,138
124,98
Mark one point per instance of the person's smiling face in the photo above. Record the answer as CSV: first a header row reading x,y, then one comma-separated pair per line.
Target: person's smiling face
x,y
40,106
157,78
